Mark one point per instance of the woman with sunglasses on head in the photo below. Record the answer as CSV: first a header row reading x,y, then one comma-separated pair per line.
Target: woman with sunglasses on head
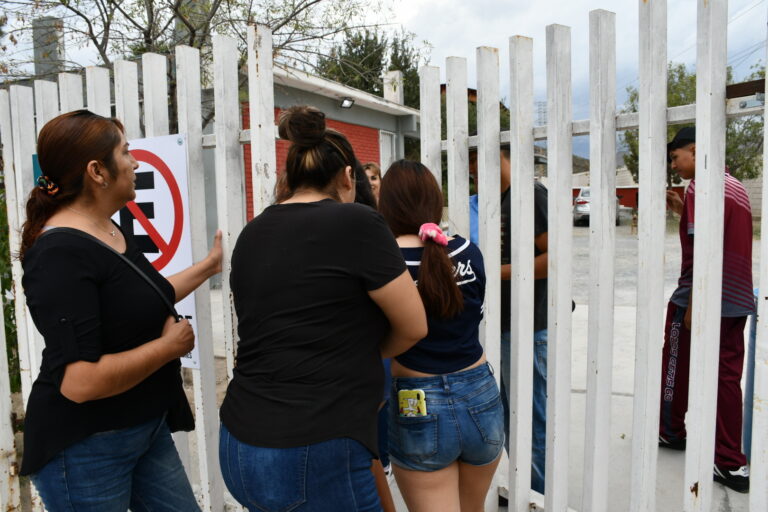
x,y
97,430
446,425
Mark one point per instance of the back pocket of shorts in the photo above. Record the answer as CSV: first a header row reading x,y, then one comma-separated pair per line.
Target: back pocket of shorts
x,y
489,419
417,436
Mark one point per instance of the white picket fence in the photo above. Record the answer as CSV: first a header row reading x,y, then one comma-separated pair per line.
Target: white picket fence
x,y
18,128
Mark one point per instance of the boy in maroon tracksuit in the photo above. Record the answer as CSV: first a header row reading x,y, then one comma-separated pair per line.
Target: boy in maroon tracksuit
x,y
737,303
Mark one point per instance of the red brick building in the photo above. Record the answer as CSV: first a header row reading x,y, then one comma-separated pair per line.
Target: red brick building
x,y
374,126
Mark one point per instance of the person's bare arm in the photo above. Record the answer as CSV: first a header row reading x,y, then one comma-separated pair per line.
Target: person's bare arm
x,y
539,262
186,281
113,374
400,301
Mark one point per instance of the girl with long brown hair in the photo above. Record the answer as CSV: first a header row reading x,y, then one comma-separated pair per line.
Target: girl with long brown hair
x,y
446,424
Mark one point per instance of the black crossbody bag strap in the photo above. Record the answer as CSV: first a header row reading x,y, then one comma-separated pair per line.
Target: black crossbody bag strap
x,y
150,282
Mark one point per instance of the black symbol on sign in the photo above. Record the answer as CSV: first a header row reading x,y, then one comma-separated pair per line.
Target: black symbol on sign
x,y
144,181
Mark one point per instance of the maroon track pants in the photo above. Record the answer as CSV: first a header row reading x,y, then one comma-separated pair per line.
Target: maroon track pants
x,y
674,385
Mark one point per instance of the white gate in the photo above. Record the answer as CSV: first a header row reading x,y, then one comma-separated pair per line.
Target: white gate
x,y
709,113
23,111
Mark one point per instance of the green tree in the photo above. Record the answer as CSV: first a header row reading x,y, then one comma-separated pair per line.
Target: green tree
x,y
127,28
11,345
358,61
406,57
744,139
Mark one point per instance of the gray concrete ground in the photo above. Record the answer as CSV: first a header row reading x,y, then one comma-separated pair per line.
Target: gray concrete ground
x,y
670,464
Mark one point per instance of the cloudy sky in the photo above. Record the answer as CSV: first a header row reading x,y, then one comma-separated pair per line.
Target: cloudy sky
x,y
458,27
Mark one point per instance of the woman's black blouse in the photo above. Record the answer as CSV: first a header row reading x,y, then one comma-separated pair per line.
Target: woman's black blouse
x,y
308,360
87,302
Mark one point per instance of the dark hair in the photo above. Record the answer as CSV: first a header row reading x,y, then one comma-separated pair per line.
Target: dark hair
x,y
410,197
64,147
318,154
363,193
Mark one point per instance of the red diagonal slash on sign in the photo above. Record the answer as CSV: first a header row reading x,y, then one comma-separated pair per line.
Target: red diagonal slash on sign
x,y
167,249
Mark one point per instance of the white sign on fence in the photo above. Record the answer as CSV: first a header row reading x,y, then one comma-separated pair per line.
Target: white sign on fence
x,y
158,219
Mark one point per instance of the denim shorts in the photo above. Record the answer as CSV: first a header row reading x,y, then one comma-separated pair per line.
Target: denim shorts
x,y
329,476
464,421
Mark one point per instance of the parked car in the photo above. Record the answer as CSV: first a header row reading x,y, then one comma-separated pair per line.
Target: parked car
x,y
581,207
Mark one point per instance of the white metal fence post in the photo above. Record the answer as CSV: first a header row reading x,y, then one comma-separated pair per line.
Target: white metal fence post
x,y
14,223
602,249
456,115
30,342
488,129
127,97
431,152
711,60
97,88
559,169
9,470
230,178
261,103
649,330
46,102
521,259
70,92
488,177
154,70
188,94
22,104
758,496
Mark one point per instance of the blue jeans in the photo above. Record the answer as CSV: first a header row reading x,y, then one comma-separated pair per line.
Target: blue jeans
x,y
330,476
464,421
539,426
136,467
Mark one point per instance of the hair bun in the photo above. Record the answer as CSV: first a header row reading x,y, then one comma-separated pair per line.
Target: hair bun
x,y
302,125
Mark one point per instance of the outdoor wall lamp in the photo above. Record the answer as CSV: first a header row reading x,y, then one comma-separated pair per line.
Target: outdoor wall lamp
x,y
347,102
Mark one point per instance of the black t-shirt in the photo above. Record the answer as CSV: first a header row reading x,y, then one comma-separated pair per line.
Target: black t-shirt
x,y
451,344
87,302
540,195
308,361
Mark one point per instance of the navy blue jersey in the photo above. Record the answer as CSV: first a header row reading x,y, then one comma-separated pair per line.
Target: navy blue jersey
x,y
451,344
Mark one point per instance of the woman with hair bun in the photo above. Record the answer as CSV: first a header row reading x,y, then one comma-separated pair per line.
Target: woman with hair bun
x,y
321,293
97,430
447,435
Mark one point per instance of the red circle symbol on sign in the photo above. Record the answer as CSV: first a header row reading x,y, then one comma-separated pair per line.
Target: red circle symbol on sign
x,y
167,248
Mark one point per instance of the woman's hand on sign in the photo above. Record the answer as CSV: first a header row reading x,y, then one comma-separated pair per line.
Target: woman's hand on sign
x,y
179,336
216,254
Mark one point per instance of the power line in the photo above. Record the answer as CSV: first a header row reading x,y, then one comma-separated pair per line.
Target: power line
x,y
734,18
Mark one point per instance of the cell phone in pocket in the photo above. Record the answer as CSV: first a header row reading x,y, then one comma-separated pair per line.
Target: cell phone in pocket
x,y
412,402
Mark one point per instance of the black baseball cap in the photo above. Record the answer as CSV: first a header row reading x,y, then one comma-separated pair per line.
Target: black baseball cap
x,y
681,139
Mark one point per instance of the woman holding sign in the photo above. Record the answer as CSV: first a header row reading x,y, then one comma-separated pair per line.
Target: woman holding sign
x,y
97,432
321,293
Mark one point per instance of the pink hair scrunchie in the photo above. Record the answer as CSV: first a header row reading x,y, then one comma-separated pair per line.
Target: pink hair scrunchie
x,y
432,231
